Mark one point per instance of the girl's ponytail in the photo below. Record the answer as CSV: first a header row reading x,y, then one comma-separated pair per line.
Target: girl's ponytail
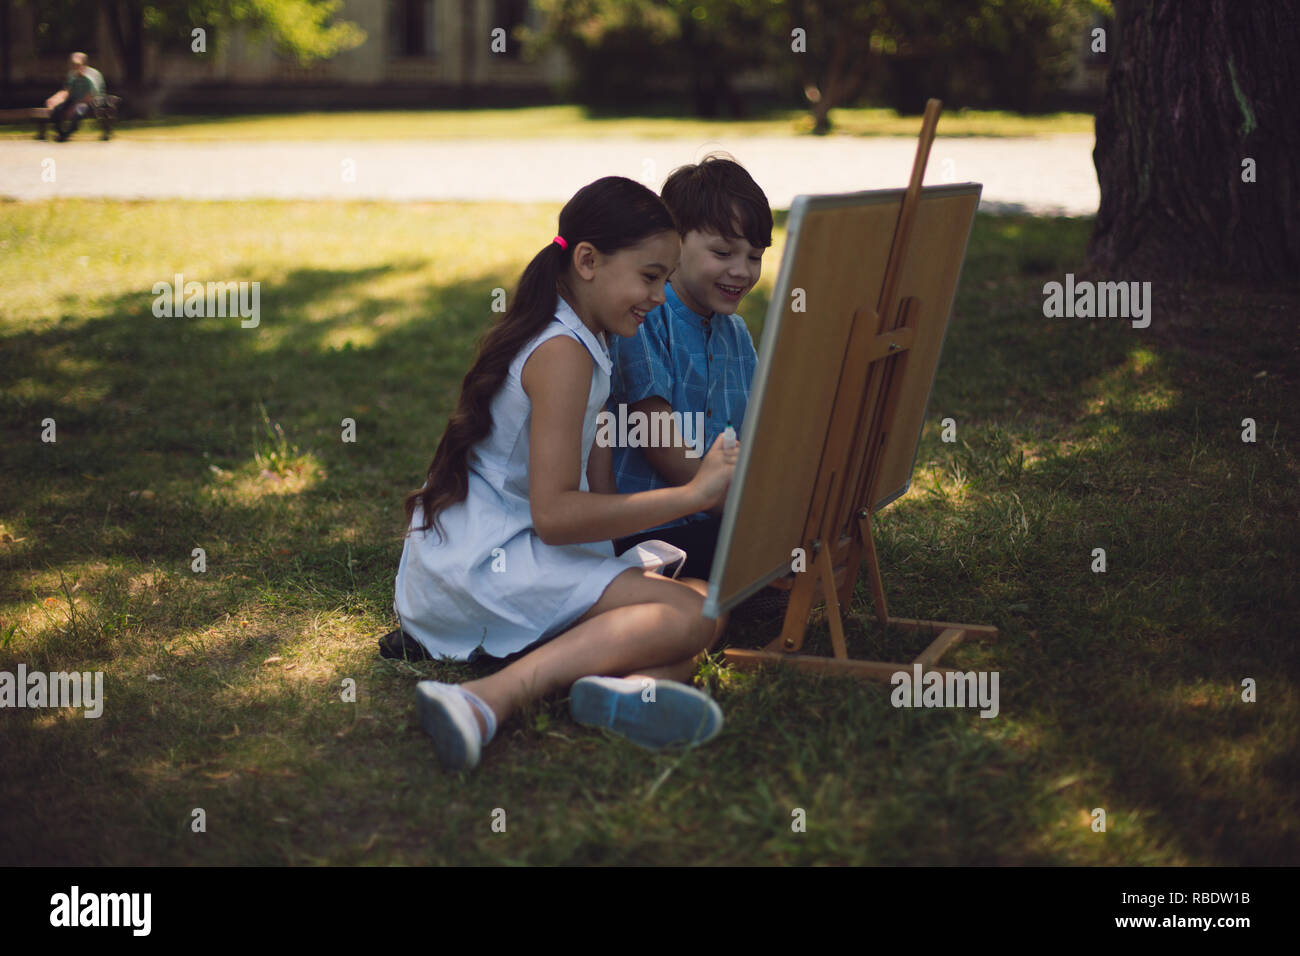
x,y
611,214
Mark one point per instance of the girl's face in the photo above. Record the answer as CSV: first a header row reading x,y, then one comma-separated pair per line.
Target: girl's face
x,y
625,286
716,273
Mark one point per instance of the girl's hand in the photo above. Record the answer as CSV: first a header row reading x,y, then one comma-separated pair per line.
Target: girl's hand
x,y
713,479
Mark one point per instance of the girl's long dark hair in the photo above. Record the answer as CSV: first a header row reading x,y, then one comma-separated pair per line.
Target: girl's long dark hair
x,y
612,213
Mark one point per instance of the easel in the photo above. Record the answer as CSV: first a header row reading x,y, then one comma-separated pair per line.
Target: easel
x,y
838,532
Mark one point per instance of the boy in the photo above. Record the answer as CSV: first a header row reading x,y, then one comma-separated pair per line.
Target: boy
x,y
693,354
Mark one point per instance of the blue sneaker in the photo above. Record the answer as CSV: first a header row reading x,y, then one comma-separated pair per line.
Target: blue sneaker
x,y
654,716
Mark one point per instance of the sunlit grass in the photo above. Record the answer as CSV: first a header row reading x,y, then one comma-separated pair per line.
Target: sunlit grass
x,y
549,122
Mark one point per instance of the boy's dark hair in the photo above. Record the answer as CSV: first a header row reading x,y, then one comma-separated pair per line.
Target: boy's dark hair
x,y
708,195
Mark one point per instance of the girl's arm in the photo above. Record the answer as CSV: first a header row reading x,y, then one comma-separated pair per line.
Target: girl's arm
x,y
557,380
600,472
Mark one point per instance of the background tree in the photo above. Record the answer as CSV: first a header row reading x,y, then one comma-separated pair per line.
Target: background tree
x,y
1012,51
618,49
1194,91
305,29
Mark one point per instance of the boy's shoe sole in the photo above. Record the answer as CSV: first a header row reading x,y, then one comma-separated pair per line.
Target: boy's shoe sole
x,y
448,718
678,716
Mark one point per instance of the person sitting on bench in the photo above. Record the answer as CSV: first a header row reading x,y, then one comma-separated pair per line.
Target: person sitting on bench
x,y
77,98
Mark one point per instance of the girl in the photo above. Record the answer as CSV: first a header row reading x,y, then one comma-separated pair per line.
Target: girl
x,y
509,540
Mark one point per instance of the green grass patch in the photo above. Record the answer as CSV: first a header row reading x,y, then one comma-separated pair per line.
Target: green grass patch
x,y
544,122
224,688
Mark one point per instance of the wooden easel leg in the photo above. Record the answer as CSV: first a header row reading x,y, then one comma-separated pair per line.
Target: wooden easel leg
x,y
796,613
827,568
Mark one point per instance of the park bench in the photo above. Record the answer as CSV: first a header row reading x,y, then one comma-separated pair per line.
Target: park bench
x,y
104,110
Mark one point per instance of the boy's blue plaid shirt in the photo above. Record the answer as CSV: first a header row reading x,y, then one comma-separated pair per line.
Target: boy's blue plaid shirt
x,y
695,365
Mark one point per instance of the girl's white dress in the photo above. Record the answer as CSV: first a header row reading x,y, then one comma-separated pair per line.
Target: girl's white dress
x,y
491,585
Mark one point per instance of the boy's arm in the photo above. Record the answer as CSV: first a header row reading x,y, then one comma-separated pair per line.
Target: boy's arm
x,y
643,367
671,461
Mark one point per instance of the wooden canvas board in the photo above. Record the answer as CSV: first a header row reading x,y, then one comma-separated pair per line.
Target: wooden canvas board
x,y
836,251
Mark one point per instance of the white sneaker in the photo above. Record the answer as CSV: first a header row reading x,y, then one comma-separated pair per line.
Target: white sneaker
x,y
449,719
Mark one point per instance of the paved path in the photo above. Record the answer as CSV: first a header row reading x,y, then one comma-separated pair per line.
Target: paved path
x,y
1046,175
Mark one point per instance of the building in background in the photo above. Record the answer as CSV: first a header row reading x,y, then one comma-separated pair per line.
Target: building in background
x,y
416,52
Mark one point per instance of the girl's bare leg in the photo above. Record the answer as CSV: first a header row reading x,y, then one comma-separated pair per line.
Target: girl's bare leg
x,y
643,625
684,670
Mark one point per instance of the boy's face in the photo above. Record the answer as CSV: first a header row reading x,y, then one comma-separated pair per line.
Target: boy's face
x,y
716,273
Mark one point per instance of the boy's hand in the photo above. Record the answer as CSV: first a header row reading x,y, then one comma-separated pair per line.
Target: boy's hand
x,y
714,477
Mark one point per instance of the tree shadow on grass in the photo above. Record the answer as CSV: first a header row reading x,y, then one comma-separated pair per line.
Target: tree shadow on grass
x,y
161,458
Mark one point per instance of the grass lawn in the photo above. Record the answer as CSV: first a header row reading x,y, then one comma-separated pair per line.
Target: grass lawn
x,y
223,689
552,122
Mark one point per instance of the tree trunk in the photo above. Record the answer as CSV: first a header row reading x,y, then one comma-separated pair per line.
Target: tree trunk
x,y
831,76
5,34
126,29
1196,89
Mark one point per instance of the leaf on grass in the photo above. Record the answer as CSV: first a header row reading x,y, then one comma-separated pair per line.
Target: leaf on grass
x,y
274,659
1063,783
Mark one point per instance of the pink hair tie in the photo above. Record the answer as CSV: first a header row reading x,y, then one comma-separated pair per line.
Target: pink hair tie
x,y
560,240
